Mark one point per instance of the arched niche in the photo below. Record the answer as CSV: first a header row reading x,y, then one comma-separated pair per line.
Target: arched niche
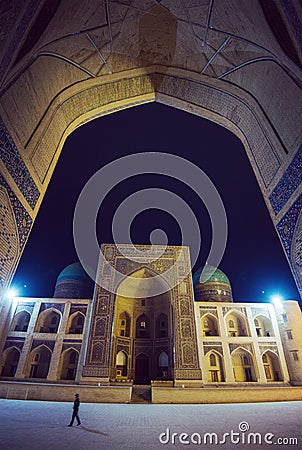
x,y
141,318
263,326
76,323
9,361
48,321
209,325
68,364
236,324
214,367
243,365
20,321
38,362
272,366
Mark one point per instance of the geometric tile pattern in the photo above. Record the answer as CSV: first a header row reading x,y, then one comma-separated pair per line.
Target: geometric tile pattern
x,y
286,226
289,182
9,245
22,218
17,168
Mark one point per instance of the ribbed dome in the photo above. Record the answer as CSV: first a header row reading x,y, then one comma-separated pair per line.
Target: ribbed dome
x,y
203,273
212,285
73,282
74,271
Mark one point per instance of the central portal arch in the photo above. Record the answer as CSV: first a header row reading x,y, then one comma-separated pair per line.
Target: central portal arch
x,y
142,330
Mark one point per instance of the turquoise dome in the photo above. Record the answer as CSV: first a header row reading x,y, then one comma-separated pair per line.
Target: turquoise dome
x,y
73,282
217,276
73,272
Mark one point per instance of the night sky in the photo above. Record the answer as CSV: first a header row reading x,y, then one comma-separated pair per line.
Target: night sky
x,y
254,260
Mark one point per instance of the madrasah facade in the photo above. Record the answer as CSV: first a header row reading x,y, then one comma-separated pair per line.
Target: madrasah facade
x,y
187,340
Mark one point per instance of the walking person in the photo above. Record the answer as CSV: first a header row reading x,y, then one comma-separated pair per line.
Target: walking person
x,y
76,405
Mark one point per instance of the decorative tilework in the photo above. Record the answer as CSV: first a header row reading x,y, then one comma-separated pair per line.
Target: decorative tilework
x,y
16,167
289,182
23,219
286,226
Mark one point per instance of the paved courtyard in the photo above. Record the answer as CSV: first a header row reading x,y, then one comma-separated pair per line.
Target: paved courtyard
x,y
43,425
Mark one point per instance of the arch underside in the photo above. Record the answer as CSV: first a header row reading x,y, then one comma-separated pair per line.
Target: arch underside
x,y
230,64
235,110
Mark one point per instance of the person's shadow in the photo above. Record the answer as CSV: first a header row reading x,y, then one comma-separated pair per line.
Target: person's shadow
x,y
90,430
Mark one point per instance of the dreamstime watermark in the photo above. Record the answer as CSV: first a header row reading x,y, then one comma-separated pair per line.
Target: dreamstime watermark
x,y
105,179
241,437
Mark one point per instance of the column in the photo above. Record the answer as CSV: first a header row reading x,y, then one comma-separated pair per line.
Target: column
x,y
59,337
259,367
21,369
228,366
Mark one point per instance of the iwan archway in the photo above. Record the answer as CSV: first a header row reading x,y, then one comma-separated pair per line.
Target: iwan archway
x,y
224,61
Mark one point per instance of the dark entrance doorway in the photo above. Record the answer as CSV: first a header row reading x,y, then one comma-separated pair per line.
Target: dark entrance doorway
x,y
142,369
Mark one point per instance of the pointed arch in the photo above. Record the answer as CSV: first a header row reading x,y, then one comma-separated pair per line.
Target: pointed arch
x,y
121,363
263,326
10,359
39,362
214,366
209,325
134,282
76,323
272,366
20,321
243,365
68,364
48,321
236,323
124,324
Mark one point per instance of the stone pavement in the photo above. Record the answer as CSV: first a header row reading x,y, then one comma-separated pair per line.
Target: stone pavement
x,y
35,425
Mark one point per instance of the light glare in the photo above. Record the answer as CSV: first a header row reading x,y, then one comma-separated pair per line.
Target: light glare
x,y
277,300
11,293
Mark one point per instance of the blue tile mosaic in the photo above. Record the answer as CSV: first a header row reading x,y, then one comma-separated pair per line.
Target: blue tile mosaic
x,y
16,167
289,182
286,226
23,219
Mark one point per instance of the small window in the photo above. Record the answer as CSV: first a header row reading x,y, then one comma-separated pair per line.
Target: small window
x,y
295,355
285,318
206,323
289,334
264,358
256,322
143,302
231,324
122,322
122,332
143,325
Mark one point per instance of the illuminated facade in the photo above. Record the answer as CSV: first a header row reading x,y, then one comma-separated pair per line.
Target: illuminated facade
x,y
168,339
